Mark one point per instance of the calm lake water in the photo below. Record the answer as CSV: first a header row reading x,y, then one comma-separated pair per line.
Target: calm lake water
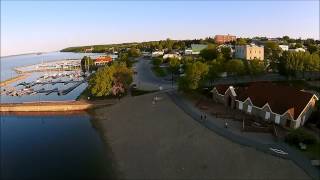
x,y
51,146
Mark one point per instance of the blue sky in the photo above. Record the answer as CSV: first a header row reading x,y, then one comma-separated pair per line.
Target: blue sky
x,y
48,26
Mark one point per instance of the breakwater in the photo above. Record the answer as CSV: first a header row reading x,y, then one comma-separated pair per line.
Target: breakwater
x,y
14,79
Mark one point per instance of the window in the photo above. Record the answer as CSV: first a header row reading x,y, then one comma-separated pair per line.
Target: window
x,y
240,105
277,120
249,109
267,116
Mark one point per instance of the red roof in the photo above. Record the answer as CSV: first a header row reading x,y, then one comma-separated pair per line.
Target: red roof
x,y
103,59
279,97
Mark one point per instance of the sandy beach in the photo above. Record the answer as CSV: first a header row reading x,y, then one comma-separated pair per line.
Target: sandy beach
x,y
159,141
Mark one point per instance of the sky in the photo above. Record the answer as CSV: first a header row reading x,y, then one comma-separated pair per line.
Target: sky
x,y
43,26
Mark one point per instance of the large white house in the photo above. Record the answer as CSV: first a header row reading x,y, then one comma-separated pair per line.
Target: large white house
x,y
166,56
284,47
297,50
157,53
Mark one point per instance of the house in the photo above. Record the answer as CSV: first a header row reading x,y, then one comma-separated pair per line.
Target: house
x,y
283,105
221,39
166,56
249,52
88,50
188,51
297,50
197,48
102,60
284,47
157,53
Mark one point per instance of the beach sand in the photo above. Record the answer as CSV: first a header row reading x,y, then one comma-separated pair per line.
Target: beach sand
x,y
159,141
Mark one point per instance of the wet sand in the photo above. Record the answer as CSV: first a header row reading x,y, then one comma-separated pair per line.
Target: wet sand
x,y
159,141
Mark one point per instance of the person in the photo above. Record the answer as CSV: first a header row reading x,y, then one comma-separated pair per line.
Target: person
x,y
226,124
205,117
201,117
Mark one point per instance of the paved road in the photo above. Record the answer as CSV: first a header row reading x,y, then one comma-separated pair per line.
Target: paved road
x,y
145,78
290,153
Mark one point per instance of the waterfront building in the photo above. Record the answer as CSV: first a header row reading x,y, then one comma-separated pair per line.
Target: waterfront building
x,y
283,105
102,60
249,52
221,39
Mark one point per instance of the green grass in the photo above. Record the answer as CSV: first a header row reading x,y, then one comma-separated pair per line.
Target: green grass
x,y
138,92
313,151
158,71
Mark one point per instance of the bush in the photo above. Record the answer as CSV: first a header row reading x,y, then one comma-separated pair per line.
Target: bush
x,y
299,135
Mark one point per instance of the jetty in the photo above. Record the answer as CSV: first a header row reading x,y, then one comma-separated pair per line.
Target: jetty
x,y
14,79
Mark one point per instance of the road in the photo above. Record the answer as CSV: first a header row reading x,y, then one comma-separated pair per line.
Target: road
x,y
145,79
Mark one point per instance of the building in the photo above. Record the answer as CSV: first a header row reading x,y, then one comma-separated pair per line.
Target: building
x,y
188,51
102,60
221,39
249,52
197,48
284,47
297,50
88,50
283,105
166,56
157,53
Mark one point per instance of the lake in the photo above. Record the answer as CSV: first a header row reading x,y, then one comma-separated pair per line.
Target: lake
x,y
53,146
50,145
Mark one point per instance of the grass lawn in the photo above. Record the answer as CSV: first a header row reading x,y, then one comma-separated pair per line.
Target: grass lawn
x,y
313,151
158,71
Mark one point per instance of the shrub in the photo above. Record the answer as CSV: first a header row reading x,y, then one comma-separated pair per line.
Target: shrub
x,y
299,135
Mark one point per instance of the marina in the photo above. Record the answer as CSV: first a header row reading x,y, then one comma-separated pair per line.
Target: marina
x,y
45,77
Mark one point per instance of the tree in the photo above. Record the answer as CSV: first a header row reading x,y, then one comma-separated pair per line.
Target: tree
x,y
174,64
133,52
256,66
286,38
86,63
209,53
272,50
241,41
235,66
226,52
312,48
109,80
215,68
194,75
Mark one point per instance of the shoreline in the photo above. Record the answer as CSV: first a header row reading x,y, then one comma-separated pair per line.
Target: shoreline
x,y
54,106
14,79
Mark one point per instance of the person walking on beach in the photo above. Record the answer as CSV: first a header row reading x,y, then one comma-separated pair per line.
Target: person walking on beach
x,y
226,124
205,117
